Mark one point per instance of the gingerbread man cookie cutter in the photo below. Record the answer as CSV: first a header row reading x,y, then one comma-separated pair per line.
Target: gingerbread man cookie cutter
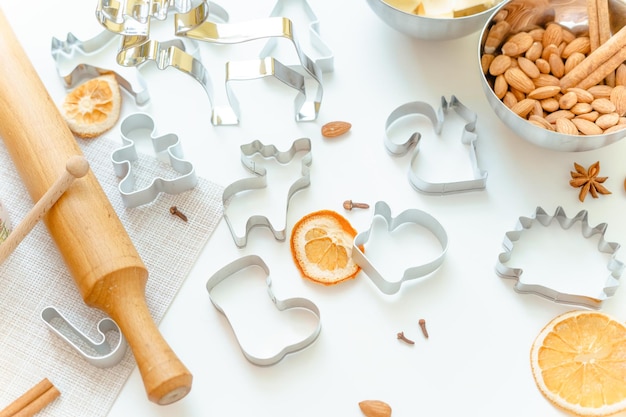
x,y
282,305
437,118
540,217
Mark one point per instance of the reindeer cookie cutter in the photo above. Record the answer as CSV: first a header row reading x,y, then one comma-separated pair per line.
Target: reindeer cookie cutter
x,y
260,181
102,354
540,216
414,216
184,179
131,19
437,118
290,303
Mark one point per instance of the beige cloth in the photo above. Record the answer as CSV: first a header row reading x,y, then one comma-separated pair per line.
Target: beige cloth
x,y
35,277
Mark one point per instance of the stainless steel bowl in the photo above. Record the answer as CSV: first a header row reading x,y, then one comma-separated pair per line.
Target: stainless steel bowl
x,y
570,13
429,28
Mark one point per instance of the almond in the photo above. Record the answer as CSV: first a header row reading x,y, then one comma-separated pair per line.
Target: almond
x,y
509,99
523,107
592,116
334,129
618,98
568,100
528,67
534,52
550,104
496,35
557,67
603,105
543,66
581,44
517,44
573,60
615,128
587,127
545,79
559,114
552,35
581,108
500,86
485,62
540,121
517,79
375,408
607,120
549,50
582,95
500,64
620,75
544,92
566,126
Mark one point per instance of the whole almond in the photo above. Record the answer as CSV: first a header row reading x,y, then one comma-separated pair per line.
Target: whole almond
x,y
523,107
615,128
566,126
334,129
534,52
592,116
545,79
603,105
509,99
618,97
583,96
500,86
517,44
537,33
573,60
587,127
581,44
568,100
620,75
552,35
543,66
500,64
544,92
485,62
375,408
517,79
559,114
581,108
528,67
549,50
607,120
557,67
550,104
541,121
600,91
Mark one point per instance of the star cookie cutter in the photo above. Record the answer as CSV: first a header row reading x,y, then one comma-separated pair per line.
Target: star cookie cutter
x,y
437,118
79,55
326,58
101,354
540,216
415,216
260,181
282,305
124,157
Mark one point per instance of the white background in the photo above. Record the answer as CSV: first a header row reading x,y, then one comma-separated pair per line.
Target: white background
x,y
477,357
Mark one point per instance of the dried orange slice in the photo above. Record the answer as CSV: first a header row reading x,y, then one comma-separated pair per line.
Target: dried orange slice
x,y
579,363
321,246
93,107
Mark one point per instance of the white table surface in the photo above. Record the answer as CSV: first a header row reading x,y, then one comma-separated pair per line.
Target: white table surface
x,y
477,357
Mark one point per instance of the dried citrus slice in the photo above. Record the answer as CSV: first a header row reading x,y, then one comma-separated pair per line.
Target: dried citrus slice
x,y
579,363
321,246
93,107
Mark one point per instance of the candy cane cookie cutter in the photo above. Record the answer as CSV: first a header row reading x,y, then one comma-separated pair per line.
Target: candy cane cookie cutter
x,y
183,179
102,354
541,217
437,118
259,181
415,216
282,305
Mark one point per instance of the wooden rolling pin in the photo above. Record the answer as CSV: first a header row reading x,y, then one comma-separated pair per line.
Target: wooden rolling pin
x,y
99,254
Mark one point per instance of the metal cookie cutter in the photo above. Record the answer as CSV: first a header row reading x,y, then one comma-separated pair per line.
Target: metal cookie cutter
x,y
290,303
326,60
100,354
590,301
408,216
123,158
194,25
80,53
260,181
437,118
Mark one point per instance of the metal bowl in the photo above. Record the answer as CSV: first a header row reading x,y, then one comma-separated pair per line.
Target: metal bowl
x,y
569,13
429,28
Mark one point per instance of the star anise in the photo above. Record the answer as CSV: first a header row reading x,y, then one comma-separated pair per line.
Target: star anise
x,y
588,180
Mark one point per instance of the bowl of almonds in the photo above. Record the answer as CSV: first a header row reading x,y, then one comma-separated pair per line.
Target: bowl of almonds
x,y
434,19
554,71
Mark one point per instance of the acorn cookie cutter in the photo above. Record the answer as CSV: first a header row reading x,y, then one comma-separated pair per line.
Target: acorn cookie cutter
x,y
302,145
124,157
437,118
73,51
414,216
326,59
540,216
101,354
282,305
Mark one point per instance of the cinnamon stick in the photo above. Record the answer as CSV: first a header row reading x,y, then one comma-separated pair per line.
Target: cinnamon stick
x,y
32,401
599,28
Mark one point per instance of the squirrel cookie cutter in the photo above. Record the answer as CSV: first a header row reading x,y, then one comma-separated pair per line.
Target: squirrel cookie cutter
x,y
437,118
260,181
419,217
100,354
78,52
290,303
123,158
130,19
540,216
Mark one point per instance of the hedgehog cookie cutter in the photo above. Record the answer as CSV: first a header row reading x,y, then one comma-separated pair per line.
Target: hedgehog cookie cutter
x,y
414,216
282,305
437,118
540,216
123,159
259,181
